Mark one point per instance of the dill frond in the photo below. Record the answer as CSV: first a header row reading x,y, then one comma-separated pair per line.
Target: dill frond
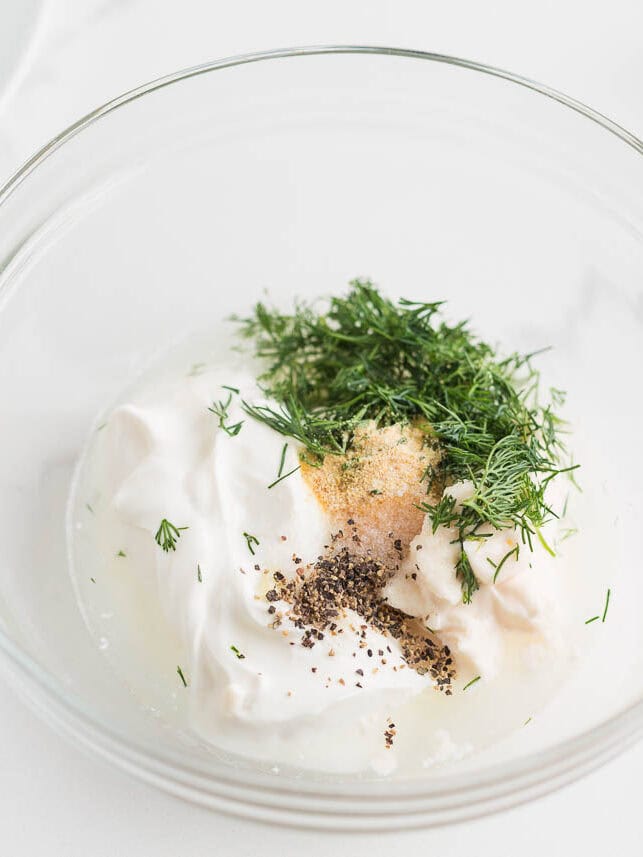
x,y
368,358
167,535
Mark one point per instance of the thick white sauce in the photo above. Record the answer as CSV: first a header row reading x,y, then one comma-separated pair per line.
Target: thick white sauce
x,y
516,615
161,455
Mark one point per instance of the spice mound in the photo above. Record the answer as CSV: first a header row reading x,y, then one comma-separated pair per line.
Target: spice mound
x,y
323,595
380,481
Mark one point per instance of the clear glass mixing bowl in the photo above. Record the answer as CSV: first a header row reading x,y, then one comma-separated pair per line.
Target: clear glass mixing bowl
x,y
172,206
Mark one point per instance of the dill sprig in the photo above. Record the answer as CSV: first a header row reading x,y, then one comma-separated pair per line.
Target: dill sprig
x,y
220,409
514,550
236,652
607,604
250,541
368,358
167,535
285,476
282,460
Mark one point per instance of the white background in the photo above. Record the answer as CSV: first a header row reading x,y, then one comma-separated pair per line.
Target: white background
x,y
79,53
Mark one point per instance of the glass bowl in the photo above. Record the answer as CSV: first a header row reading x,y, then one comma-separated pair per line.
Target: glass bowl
x,y
176,204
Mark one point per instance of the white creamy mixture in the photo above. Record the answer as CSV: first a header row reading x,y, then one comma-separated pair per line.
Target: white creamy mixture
x,y
253,689
516,612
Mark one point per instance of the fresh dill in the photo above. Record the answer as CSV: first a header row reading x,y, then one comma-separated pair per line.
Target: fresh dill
x,y
179,672
90,509
600,616
93,579
250,541
282,460
167,535
515,550
464,573
542,541
199,576
121,554
528,720
285,476
220,409
236,651
607,604
365,357
473,681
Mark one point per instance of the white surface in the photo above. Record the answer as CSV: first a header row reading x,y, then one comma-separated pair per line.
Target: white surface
x,y
54,800
20,24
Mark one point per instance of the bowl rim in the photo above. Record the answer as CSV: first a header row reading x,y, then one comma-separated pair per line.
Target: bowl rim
x,y
358,804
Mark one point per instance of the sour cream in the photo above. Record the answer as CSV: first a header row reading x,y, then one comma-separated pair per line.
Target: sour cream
x,y
516,612
253,688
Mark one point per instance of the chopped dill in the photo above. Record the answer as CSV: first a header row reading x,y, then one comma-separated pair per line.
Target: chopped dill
x,y
572,478
93,579
199,576
236,651
605,609
179,672
282,461
465,575
366,357
542,541
528,720
101,427
473,681
231,389
90,508
285,476
607,604
514,550
167,535
220,410
374,492
121,554
250,541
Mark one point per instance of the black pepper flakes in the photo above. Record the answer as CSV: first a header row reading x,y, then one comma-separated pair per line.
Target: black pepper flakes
x,y
342,581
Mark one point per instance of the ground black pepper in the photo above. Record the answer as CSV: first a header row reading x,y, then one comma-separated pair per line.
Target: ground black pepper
x,y
341,581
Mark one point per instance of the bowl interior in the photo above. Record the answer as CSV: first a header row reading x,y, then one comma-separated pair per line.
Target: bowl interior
x,y
296,175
